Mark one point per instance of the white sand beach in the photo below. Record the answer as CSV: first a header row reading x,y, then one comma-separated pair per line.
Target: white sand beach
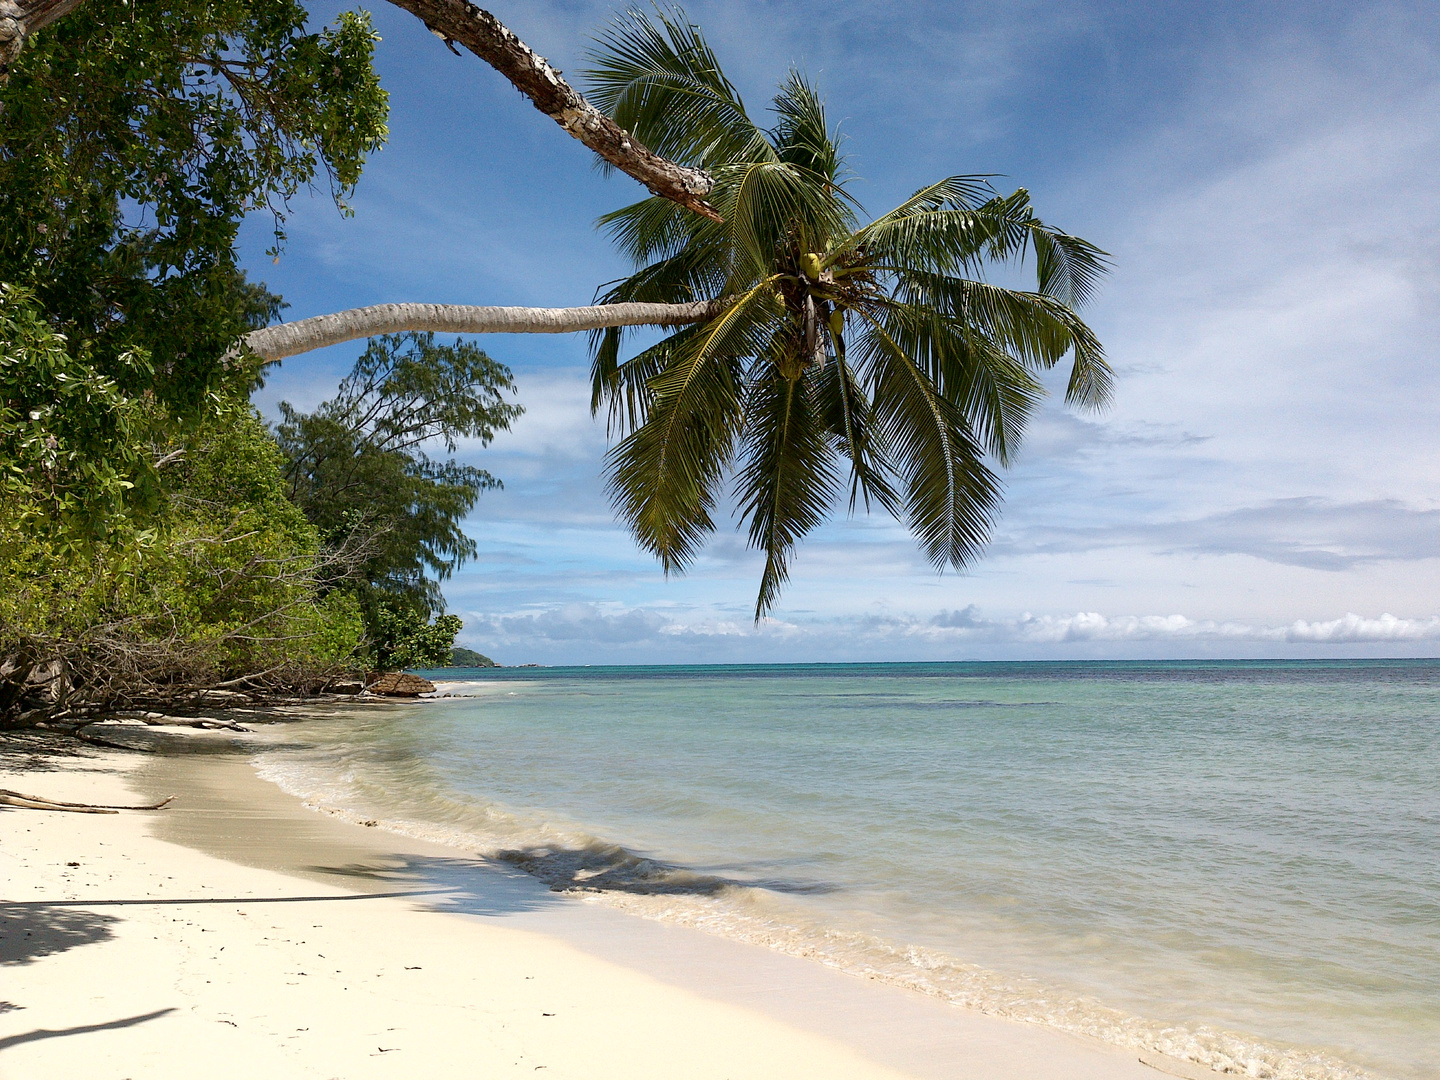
x,y
238,933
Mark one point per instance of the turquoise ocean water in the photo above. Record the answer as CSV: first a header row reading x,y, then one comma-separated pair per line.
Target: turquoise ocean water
x,y
1233,862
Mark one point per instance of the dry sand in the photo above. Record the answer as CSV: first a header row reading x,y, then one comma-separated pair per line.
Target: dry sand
x,y
240,934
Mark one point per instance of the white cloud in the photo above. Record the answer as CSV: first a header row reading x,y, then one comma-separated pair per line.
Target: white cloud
x,y
565,633
1356,628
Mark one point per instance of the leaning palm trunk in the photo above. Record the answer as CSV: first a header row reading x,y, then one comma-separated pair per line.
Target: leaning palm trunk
x,y
484,35
303,335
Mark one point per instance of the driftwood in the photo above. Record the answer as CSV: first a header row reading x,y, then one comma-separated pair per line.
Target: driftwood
x,y
37,802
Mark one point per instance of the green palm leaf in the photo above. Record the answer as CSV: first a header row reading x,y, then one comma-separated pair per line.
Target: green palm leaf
x,y
849,418
789,479
661,81
875,350
666,471
950,496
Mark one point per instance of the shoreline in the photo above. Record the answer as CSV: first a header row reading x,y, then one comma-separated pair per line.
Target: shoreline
x,y
165,895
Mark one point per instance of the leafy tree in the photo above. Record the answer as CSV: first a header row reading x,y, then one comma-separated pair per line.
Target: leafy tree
x,y
74,448
877,349
358,468
148,545
135,137
406,640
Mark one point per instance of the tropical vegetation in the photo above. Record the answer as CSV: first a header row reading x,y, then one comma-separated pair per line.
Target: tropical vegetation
x,y
153,540
158,537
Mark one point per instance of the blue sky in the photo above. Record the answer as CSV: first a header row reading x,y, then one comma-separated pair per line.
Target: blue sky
x,y
1265,177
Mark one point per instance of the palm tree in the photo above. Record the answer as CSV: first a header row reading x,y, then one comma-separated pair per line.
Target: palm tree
x,y
869,356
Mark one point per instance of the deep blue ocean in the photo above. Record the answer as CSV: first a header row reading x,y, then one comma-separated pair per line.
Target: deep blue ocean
x,y
1232,862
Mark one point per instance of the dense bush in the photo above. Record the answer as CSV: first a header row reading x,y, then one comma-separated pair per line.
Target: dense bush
x,y
214,576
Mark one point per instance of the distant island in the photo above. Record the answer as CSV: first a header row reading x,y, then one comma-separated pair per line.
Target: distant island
x,y
469,658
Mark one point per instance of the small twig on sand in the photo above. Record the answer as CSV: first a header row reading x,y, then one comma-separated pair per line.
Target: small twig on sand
x,y
37,802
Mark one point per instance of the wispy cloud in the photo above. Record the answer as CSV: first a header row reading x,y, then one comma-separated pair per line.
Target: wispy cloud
x,y
1308,532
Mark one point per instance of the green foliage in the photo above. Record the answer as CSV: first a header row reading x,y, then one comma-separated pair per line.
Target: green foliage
x,y
148,542
240,565
877,350
224,584
405,638
135,137
74,449
357,468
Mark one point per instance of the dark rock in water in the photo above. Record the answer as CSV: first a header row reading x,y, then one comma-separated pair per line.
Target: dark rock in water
x,y
346,686
398,684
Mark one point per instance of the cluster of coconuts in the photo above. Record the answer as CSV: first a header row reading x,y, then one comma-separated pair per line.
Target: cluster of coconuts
x,y
812,265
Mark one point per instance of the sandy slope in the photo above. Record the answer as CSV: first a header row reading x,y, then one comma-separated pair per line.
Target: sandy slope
x,y
240,934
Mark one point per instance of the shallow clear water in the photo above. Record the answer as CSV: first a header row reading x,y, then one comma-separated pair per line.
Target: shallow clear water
x,y
1238,863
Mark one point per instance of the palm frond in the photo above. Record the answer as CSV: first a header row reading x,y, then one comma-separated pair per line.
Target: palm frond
x,y
801,135
970,369
653,228
1092,380
1067,267
759,201
659,79
946,201
690,274
626,387
951,497
788,481
664,474
849,418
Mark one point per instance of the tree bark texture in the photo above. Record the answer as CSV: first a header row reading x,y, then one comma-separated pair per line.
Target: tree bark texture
x,y
303,335
21,18
485,36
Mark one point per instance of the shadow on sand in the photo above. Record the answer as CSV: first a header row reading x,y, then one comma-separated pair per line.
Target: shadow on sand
x,y
83,1029
30,931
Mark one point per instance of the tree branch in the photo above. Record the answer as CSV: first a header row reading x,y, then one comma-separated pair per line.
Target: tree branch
x,y
303,335
21,18
488,38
